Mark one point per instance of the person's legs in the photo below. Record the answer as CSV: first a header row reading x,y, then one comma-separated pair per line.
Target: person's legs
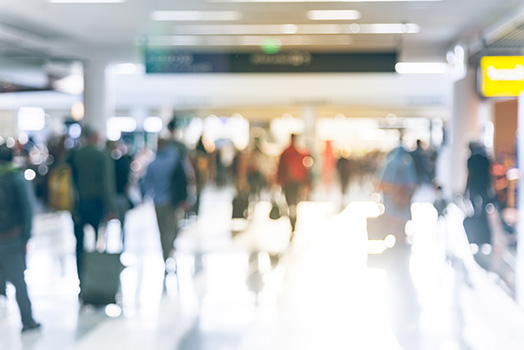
x,y
167,222
291,194
13,265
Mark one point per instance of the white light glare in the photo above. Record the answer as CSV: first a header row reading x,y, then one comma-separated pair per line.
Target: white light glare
x,y
421,68
333,14
153,124
29,174
31,118
196,16
116,125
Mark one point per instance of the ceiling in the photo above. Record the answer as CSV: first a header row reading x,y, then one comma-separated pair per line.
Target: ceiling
x,y
34,29
39,40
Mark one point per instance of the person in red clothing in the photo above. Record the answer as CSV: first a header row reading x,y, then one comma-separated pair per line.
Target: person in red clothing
x,y
294,177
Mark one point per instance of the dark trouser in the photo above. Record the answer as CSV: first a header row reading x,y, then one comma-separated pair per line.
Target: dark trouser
x,y
291,192
166,217
89,212
12,267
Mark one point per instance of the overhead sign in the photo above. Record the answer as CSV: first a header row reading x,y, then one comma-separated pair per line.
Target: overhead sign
x,y
172,61
501,76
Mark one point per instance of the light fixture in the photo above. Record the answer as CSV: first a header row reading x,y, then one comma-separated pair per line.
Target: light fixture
x,y
333,15
196,16
421,68
86,1
319,1
246,40
276,29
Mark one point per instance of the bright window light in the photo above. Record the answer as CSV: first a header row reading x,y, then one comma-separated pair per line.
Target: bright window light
x,y
333,14
153,124
31,119
421,68
196,16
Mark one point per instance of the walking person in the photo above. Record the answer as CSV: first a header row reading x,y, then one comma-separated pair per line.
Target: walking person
x,y
16,215
94,181
293,176
159,184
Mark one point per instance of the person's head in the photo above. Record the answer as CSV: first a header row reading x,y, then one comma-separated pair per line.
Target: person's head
x,y
162,143
91,135
6,154
173,124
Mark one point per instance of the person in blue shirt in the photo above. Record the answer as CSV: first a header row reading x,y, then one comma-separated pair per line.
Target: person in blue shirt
x,y
156,184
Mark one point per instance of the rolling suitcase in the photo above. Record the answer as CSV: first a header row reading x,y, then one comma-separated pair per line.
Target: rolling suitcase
x,y
100,278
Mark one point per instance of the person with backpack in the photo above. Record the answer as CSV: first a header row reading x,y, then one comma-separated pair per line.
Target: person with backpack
x,y
165,182
16,215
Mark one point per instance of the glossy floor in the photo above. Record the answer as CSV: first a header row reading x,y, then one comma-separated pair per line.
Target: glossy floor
x,y
242,286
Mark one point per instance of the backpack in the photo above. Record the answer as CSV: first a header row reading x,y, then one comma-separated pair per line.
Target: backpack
x,y
10,215
60,187
178,184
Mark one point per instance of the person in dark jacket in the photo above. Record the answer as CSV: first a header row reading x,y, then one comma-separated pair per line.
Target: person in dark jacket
x,y
93,178
13,239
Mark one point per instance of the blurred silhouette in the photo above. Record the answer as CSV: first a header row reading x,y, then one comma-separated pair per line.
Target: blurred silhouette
x,y
258,170
157,184
294,177
118,152
398,182
344,173
202,162
480,192
174,128
16,215
422,161
93,178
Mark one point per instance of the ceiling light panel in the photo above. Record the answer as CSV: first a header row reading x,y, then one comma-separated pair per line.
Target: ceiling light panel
x,y
327,15
196,15
290,29
86,1
321,1
246,40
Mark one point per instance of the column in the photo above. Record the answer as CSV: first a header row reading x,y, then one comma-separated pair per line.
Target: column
x,y
519,268
98,95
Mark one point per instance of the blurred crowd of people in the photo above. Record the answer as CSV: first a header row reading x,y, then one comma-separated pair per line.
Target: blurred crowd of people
x,y
106,180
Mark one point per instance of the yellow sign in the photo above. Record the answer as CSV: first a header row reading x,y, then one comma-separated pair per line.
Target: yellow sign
x,y
502,76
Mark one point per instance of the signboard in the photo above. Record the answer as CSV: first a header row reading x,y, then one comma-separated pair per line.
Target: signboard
x,y
501,76
173,61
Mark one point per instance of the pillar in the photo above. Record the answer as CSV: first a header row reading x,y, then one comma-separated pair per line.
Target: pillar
x,y
98,95
519,268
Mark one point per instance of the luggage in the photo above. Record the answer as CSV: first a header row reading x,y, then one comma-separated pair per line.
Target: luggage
x,y
100,281
240,205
